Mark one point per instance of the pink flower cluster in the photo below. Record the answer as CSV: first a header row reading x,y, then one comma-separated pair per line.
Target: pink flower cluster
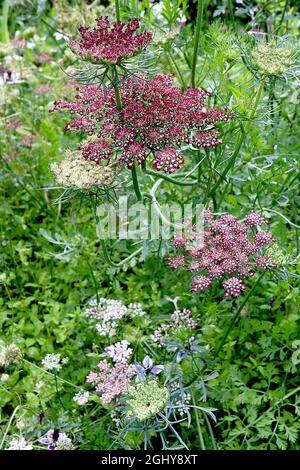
x,y
156,116
113,379
110,44
227,250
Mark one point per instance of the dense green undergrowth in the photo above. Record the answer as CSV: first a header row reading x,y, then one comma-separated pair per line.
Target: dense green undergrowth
x,y
52,261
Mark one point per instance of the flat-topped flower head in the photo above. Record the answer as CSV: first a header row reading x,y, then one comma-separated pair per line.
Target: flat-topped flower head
x,y
83,173
229,252
270,59
111,380
156,118
180,320
145,400
110,43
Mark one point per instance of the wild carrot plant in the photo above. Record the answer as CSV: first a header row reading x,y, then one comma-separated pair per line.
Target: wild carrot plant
x,y
150,231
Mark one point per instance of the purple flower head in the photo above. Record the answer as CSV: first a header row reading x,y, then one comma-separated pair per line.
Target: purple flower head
x,y
110,43
156,117
181,355
50,439
229,252
147,367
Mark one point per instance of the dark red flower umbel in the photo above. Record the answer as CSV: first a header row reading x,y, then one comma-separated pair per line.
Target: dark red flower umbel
x,y
110,44
228,250
156,117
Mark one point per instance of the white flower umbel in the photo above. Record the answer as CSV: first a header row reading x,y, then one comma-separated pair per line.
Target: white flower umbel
x,y
108,312
119,352
135,309
81,398
52,361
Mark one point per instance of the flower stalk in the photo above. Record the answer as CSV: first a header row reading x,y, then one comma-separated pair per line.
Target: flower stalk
x,y
4,23
117,7
196,43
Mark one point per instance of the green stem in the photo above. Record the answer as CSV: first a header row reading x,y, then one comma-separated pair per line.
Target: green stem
x,y
197,37
177,69
201,440
4,22
239,144
224,192
145,437
136,182
57,393
271,98
119,106
173,429
116,88
121,263
171,180
282,15
117,6
94,280
9,425
213,441
291,393
281,215
49,373
234,319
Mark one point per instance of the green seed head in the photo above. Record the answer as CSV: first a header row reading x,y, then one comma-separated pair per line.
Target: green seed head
x,y
272,60
144,400
277,255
